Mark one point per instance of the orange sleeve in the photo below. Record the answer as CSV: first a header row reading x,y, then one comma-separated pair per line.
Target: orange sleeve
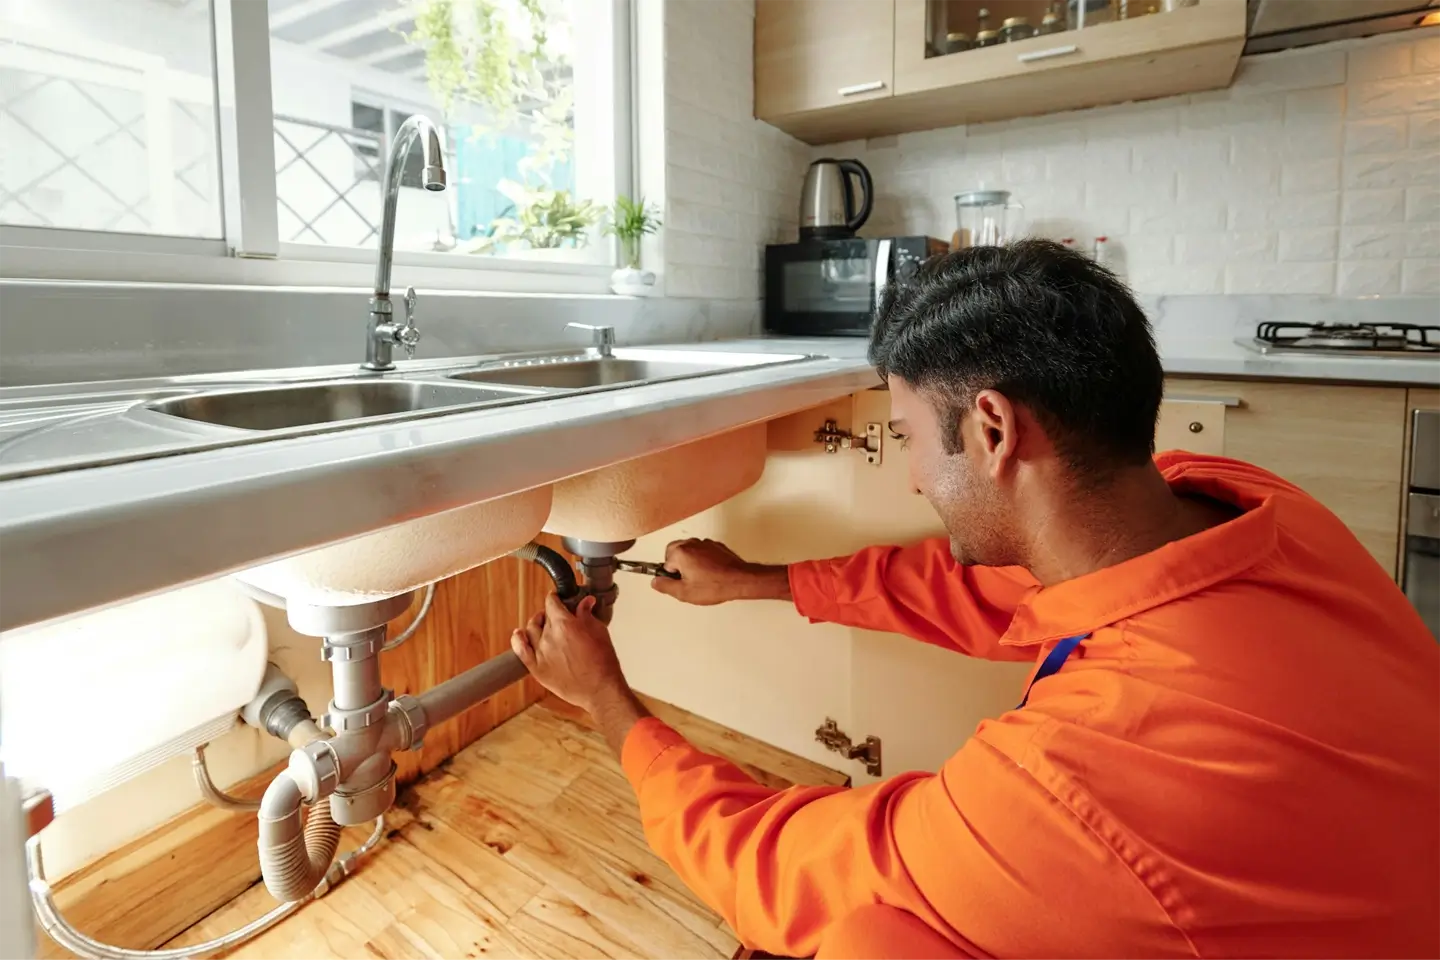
x,y
919,591
981,853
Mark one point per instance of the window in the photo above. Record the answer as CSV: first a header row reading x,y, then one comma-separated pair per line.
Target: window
x,y
499,76
108,128
107,116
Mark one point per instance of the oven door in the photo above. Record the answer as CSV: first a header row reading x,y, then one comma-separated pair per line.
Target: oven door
x,y
1422,558
825,288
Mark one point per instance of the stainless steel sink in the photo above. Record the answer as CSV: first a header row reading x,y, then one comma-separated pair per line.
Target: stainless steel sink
x,y
625,368
281,408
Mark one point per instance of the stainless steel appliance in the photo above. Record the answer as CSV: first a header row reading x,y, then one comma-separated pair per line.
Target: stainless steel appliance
x,y
831,287
828,205
1422,524
1345,340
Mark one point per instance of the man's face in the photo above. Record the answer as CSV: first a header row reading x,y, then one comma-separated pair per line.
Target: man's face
x,y
951,474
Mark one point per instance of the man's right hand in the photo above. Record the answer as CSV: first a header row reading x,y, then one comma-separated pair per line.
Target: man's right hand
x,y
712,573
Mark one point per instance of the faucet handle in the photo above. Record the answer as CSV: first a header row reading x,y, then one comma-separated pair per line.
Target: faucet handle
x,y
604,336
408,336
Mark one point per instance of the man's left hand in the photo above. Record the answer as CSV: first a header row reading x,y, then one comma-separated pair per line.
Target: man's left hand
x,y
571,655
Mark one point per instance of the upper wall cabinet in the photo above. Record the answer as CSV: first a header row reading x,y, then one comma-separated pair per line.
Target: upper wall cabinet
x,y
814,54
824,71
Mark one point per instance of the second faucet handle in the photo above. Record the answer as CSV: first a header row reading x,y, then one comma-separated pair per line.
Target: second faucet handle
x,y
408,336
604,337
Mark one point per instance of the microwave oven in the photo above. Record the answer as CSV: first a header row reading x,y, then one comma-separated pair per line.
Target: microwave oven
x,y
828,288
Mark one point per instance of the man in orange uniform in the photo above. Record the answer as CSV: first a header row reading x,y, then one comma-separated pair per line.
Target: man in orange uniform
x,y
1230,745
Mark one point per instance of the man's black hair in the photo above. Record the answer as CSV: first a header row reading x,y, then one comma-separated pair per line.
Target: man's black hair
x,y
1042,324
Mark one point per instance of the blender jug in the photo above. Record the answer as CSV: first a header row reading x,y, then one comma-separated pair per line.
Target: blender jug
x,y
986,218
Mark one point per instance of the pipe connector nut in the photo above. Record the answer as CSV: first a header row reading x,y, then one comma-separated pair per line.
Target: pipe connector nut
x,y
315,769
412,716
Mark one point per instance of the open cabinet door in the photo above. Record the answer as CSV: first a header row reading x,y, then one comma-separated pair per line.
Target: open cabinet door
x,y
920,700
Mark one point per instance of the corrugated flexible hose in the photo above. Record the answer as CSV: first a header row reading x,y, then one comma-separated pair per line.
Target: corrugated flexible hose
x,y
292,860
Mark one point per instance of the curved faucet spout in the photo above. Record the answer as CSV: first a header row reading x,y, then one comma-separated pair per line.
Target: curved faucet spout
x,y
382,334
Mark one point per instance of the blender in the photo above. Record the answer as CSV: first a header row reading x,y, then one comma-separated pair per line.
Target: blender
x,y
986,218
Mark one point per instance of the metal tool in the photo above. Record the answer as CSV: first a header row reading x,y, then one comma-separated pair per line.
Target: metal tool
x,y
648,569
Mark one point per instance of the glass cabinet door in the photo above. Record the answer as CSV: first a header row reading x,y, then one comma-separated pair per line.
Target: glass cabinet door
x,y
957,26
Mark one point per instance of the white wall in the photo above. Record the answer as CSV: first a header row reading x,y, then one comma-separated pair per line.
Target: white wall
x,y
732,182
1317,172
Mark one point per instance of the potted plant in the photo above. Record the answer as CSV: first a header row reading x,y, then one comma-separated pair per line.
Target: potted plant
x,y
541,219
629,222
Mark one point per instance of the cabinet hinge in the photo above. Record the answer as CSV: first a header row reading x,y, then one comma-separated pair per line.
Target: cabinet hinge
x,y
836,440
867,751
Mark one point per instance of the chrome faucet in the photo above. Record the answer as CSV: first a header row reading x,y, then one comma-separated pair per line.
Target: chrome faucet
x,y
602,337
383,333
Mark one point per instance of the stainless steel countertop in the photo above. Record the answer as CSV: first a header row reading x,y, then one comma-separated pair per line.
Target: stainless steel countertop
x,y
177,513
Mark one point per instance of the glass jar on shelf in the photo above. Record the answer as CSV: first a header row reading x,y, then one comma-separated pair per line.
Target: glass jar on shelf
x,y
957,42
1131,9
1016,28
987,38
1088,13
1053,21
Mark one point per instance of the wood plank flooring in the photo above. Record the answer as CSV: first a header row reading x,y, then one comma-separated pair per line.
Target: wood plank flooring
x,y
525,844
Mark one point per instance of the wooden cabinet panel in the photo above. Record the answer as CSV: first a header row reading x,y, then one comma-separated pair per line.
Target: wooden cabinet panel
x,y
811,54
1343,445
1185,50
1191,423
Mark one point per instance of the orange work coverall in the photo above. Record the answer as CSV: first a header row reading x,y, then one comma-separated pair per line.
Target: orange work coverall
x,y
1242,758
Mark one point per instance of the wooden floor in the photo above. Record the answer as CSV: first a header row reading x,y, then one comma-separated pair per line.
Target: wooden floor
x,y
525,844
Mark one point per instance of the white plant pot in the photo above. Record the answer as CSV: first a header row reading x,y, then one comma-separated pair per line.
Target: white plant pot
x,y
630,282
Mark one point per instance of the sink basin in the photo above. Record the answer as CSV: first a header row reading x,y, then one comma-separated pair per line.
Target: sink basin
x,y
279,408
625,368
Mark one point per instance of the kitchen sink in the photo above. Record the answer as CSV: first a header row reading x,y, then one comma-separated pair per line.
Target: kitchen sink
x,y
625,368
280,408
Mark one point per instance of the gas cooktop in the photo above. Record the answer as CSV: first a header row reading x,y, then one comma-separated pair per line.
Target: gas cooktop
x,y
1408,340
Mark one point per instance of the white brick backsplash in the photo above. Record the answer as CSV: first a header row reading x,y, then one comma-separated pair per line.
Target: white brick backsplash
x,y
1377,242
1291,70
1422,204
1379,62
1368,278
1280,278
1373,206
1400,95
1317,210
1204,278
1310,176
1317,171
1170,219
1324,103
1420,276
1381,135
1321,243
1422,241
1427,55
1424,130
1225,246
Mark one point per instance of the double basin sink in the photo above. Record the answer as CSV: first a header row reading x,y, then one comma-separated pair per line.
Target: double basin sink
x,y
405,395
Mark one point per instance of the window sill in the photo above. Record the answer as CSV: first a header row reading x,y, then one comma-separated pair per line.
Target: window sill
x,y
46,254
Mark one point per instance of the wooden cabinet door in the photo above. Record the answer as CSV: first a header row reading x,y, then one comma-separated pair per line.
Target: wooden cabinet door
x,y
920,700
1196,424
811,54
1343,445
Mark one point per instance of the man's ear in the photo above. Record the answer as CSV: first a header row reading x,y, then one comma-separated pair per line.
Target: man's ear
x,y
998,428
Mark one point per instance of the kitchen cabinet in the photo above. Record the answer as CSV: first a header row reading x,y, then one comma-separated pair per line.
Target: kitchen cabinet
x,y
802,75
1416,399
1344,445
812,54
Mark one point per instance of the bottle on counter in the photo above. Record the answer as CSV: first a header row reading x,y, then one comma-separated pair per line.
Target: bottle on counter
x,y
1100,252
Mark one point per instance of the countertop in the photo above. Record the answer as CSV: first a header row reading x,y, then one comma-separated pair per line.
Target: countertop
x,y
82,538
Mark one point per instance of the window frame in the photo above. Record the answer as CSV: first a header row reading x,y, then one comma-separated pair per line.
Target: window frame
x,y
250,250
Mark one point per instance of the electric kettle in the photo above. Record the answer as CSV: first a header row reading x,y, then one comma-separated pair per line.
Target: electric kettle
x,y
828,210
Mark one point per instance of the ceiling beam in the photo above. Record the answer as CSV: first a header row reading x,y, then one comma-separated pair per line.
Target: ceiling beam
x,y
400,49
299,11
375,24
